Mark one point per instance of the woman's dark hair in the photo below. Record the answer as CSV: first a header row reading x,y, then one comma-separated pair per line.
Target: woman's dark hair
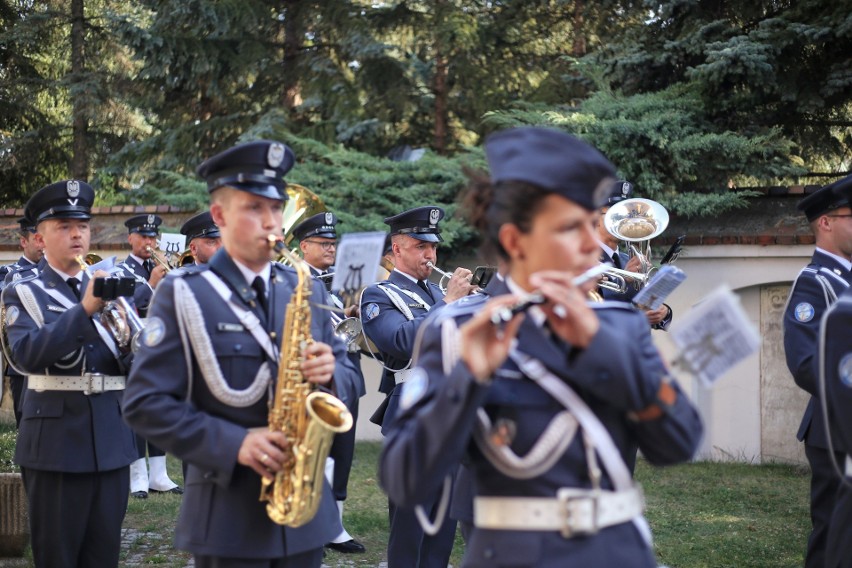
x,y
488,206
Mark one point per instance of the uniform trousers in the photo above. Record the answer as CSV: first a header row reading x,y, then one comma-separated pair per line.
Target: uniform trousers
x,y
309,559
342,452
824,486
410,547
75,518
838,552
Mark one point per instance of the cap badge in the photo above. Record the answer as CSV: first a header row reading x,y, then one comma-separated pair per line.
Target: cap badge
x,y
434,216
275,155
625,188
329,218
151,219
73,188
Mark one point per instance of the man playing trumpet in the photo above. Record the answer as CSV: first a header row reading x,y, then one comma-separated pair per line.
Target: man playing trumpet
x,y
391,313
143,231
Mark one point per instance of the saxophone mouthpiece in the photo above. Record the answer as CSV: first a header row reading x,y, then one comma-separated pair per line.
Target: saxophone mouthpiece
x,y
275,243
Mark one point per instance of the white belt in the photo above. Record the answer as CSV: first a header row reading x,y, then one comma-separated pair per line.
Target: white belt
x,y
400,376
88,383
572,512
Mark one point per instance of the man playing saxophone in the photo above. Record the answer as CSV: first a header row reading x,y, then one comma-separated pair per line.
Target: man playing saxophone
x,y
202,379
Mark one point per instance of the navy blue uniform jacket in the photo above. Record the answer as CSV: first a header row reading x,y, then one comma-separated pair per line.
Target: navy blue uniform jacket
x,y
65,431
433,433
805,308
392,333
221,515
143,292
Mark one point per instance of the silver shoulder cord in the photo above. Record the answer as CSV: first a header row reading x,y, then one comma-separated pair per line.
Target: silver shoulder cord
x,y
822,393
191,320
400,305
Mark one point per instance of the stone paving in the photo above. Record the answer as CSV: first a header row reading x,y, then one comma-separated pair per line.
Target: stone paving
x,y
142,545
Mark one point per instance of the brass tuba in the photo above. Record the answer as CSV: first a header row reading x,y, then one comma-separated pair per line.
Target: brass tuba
x,y
636,221
309,418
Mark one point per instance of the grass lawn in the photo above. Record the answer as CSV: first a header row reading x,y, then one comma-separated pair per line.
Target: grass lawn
x,y
702,514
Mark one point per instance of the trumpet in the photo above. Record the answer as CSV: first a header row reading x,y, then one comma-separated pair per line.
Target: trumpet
x,y
616,279
444,274
162,261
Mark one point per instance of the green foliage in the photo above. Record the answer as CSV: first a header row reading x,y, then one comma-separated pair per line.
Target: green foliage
x,y
668,147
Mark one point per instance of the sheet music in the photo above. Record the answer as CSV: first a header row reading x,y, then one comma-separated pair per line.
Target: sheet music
x,y
714,336
357,262
107,265
172,243
661,285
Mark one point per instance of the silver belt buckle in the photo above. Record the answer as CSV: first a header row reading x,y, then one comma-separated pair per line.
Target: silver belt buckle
x,y
566,497
92,386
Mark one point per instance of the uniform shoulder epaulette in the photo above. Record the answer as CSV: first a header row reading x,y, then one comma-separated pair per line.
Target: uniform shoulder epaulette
x,y
281,267
462,307
192,270
612,305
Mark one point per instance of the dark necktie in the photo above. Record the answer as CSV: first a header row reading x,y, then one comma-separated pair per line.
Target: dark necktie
x,y
616,259
425,286
148,266
74,284
259,287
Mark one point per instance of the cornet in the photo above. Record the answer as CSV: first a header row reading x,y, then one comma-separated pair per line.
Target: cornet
x,y
616,279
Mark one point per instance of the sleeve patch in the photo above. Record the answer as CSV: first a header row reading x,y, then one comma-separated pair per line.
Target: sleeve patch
x,y
413,388
12,314
371,311
844,370
804,312
154,332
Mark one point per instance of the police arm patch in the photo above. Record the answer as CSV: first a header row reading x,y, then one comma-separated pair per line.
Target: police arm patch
x,y
804,312
413,388
155,330
844,370
12,314
371,311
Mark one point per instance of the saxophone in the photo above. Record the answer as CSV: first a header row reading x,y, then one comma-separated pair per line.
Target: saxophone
x,y
309,418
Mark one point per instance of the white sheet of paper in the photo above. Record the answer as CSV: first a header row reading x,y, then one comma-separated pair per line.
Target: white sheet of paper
x,y
714,336
357,262
172,243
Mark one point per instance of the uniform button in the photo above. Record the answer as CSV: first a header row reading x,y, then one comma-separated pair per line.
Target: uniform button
x,y
238,347
90,346
209,475
488,553
38,411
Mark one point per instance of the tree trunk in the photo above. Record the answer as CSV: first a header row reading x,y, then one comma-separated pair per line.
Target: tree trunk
x,y
79,149
578,49
291,96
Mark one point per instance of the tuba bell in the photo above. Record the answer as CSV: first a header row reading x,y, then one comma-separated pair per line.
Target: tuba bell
x,y
636,221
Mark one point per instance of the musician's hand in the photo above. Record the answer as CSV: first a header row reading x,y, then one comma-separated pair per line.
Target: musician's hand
x,y
352,311
658,315
265,451
157,274
568,315
318,363
459,285
92,304
634,265
484,345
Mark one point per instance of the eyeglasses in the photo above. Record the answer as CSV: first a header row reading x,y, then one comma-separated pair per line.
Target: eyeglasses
x,y
326,245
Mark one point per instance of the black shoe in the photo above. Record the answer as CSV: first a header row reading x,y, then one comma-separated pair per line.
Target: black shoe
x,y
139,494
176,490
348,547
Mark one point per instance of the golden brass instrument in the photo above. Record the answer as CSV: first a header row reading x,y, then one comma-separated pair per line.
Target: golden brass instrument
x,y
186,258
308,418
161,260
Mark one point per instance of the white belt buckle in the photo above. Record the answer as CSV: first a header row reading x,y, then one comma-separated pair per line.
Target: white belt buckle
x,y
568,496
92,386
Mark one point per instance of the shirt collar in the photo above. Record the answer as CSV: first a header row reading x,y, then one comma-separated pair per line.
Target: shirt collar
x,y
138,260
412,278
844,262
78,276
609,251
250,275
